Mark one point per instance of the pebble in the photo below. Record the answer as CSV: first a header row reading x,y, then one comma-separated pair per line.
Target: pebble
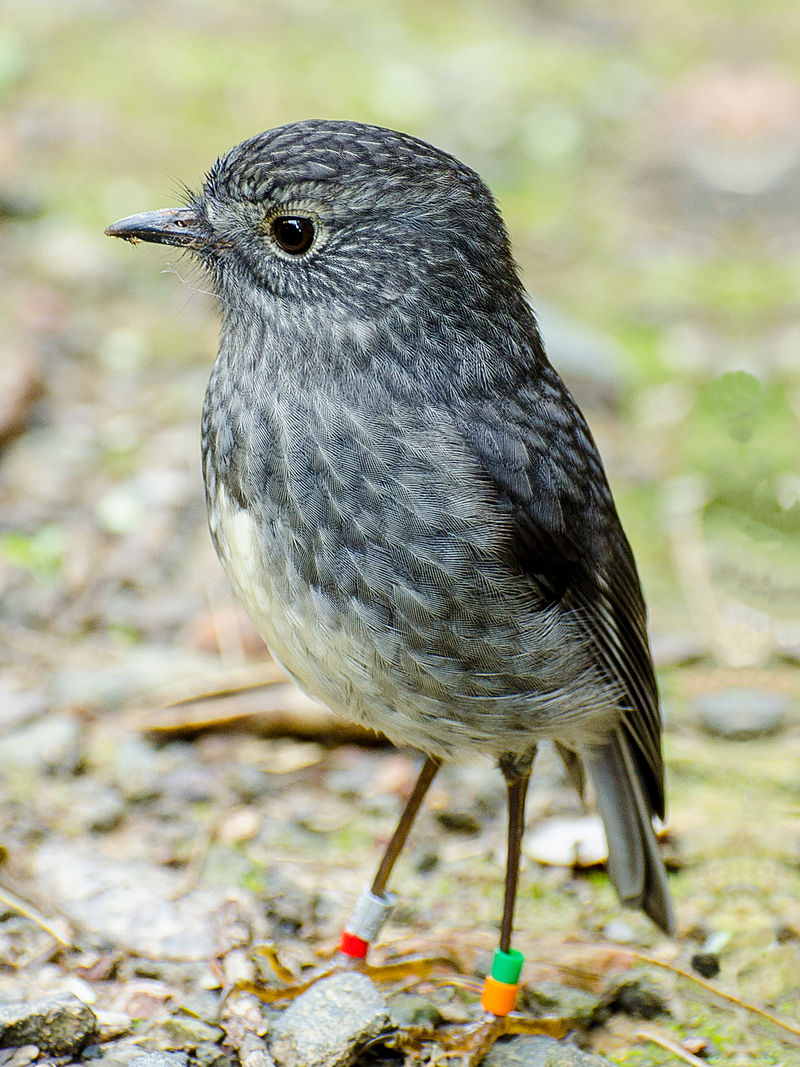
x,y
410,1009
184,1030
541,1052
60,1025
458,822
568,1002
743,714
19,704
567,841
210,1054
107,897
159,1059
45,745
20,1057
620,931
640,997
330,1023
706,964
124,1053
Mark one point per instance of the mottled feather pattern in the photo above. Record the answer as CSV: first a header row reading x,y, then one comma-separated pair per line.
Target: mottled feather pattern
x,y
400,487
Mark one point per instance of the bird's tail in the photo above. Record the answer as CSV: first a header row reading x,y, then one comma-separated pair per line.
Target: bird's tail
x,y
634,861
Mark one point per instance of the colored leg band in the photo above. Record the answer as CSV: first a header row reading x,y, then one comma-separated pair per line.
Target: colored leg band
x,y
364,925
353,946
502,985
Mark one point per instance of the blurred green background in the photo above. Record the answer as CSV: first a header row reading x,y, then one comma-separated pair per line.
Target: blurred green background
x,y
646,162
646,159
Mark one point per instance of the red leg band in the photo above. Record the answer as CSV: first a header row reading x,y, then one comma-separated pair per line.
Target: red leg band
x,y
353,946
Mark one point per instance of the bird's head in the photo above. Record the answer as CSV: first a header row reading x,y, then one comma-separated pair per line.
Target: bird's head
x,y
341,214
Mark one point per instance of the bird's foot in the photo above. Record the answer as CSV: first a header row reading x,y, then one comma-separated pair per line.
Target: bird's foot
x,y
279,982
468,1043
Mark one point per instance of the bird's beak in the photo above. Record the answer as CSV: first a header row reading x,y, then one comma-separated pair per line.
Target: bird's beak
x,y
170,226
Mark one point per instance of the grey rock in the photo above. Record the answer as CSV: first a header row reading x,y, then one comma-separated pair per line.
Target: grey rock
x,y
60,1025
742,714
122,1054
159,1059
42,746
410,1009
211,1055
540,1052
108,898
19,1057
329,1024
94,806
136,769
458,822
641,997
550,998
706,964
620,931
183,1030
18,704
253,1052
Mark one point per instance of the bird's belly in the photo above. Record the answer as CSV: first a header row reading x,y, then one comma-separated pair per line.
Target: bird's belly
x,y
399,659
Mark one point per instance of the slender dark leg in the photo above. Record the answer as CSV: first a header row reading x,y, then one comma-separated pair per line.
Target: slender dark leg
x,y
501,986
395,846
517,772
375,904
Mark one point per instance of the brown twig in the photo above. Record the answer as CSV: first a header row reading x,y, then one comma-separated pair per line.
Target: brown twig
x,y
27,911
646,1034
731,998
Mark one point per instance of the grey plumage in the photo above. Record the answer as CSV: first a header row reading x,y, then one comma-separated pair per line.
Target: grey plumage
x,y
399,486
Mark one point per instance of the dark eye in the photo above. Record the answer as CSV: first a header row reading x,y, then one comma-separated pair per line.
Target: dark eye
x,y
293,233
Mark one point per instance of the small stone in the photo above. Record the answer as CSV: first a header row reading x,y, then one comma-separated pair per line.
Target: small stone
x,y
19,704
95,806
203,1004
549,998
620,931
253,1053
211,1055
136,769
45,745
743,714
639,997
159,1059
60,1025
113,1054
22,1056
706,964
540,1052
458,822
427,861
183,1030
330,1023
567,841
410,1009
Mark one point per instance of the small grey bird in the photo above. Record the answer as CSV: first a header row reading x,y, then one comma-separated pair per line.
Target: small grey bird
x,y
399,486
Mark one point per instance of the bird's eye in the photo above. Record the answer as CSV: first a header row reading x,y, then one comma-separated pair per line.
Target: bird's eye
x,y
293,233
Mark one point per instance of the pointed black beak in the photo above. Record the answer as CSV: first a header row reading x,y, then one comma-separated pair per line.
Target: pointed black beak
x,y
170,226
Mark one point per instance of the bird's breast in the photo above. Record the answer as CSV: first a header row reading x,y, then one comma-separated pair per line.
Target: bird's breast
x,y
370,553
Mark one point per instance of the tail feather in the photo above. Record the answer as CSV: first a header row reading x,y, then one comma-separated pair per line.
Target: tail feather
x,y
634,861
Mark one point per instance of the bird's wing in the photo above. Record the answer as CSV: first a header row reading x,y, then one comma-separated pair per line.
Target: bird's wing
x,y
567,539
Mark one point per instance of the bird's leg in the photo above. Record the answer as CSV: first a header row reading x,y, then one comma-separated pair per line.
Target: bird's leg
x,y
375,903
500,989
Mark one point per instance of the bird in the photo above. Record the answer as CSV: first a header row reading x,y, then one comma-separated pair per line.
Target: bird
x,y
404,494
